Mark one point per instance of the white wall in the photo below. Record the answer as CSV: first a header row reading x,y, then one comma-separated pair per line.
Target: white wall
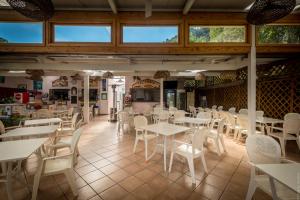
x,y
14,81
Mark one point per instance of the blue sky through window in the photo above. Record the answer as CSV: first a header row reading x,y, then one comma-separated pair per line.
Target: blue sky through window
x,y
150,34
82,33
20,32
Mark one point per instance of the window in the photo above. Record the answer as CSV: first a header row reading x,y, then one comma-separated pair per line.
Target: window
x,y
279,34
150,34
82,33
21,32
216,34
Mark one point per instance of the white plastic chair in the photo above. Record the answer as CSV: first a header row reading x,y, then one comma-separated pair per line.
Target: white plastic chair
x,y
200,109
263,149
260,114
243,111
231,124
64,141
217,136
55,165
190,151
69,126
290,130
214,107
43,114
242,128
205,115
163,116
232,110
3,129
220,108
193,111
123,119
179,114
141,134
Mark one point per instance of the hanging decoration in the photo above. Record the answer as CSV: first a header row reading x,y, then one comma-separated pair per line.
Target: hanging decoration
x,y
107,75
200,76
268,11
162,74
35,75
136,78
76,77
41,10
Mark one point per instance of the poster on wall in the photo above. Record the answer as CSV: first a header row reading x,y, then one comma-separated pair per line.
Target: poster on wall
x,y
37,85
103,96
103,85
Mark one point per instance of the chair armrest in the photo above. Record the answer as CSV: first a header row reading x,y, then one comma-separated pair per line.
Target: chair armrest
x,y
11,127
57,157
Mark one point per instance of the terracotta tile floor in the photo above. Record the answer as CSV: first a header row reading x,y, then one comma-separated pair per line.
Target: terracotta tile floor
x,y
108,169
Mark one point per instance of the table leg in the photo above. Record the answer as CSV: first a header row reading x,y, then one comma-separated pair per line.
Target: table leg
x,y
273,189
165,153
9,180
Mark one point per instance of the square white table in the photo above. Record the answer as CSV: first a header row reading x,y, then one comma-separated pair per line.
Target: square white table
x,y
49,121
35,131
287,174
165,129
17,150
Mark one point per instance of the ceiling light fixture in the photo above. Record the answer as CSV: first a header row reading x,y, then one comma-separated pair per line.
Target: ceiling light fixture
x,y
16,72
249,6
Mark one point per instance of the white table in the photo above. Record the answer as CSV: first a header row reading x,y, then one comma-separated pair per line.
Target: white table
x,y
193,121
268,120
287,174
49,121
164,129
35,131
17,150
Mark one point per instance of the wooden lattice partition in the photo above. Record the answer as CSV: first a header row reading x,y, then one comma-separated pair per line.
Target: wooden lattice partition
x,y
277,94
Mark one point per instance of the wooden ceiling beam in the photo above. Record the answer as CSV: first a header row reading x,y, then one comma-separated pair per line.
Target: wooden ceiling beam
x,y
148,8
113,6
188,5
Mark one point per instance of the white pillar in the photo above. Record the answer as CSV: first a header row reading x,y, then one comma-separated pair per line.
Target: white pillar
x,y
86,103
161,92
252,83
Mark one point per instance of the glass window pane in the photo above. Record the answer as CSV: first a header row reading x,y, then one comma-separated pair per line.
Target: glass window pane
x,y
150,34
21,32
207,34
82,33
279,34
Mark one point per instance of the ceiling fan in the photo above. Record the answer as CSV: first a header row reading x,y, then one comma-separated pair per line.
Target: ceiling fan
x,y
35,75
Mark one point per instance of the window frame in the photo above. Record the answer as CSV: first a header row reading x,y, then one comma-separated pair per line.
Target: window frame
x,y
52,41
28,44
274,44
151,44
188,43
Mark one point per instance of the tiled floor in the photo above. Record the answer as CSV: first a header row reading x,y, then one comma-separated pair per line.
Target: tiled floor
x,y
108,169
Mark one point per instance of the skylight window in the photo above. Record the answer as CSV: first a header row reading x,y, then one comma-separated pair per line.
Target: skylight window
x,y
21,32
150,34
82,33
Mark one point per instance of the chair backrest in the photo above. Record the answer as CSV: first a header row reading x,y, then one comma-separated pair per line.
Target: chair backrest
x,y
140,121
198,138
206,109
163,115
204,115
70,111
192,108
291,123
78,124
179,114
74,120
172,109
220,108
200,109
43,113
243,111
221,125
215,114
123,116
230,119
75,139
263,149
214,107
259,113
231,110
157,109
242,121
2,128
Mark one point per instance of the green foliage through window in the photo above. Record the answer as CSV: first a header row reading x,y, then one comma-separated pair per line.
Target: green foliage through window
x,y
279,34
215,34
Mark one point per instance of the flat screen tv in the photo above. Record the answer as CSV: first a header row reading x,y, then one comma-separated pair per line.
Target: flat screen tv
x,y
145,95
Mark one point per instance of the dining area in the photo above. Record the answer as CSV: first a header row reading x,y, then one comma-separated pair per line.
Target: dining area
x,y
39,137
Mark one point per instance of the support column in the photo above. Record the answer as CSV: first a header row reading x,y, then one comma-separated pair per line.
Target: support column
x,y
86,103
161,92
252,84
